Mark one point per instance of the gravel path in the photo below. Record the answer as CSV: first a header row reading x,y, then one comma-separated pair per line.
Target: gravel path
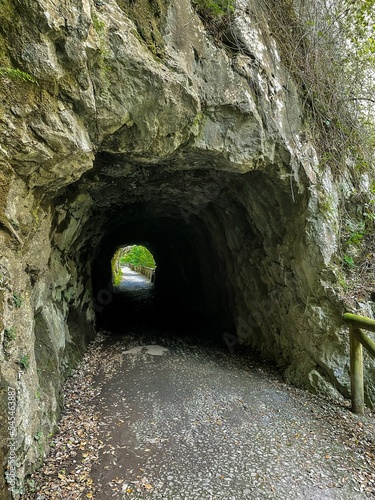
x,y
133,281
155,416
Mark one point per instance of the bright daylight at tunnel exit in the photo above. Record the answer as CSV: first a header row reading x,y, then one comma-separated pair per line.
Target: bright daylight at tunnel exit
x,y
187,249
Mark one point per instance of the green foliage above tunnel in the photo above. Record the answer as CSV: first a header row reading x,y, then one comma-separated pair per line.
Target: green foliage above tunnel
x,y
329,50
216,15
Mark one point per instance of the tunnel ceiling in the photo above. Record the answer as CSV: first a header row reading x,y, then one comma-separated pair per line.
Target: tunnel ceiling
x,y
116,192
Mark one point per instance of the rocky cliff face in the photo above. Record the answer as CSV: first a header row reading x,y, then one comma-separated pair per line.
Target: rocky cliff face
x,y
125,122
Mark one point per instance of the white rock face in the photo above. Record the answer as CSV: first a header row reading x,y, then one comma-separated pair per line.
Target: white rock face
x,y
200,143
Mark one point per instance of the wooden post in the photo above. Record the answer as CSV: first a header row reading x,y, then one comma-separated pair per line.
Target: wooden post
x,y
356,373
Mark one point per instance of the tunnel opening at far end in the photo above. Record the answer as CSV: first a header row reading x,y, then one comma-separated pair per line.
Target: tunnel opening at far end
x,y
153,283
132,288
133,267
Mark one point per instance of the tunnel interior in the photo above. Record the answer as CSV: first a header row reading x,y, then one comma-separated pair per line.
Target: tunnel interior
x,y
177,300
225,242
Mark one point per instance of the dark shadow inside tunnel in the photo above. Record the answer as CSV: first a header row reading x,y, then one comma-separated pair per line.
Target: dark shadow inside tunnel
x,y
177,300
133,277
211,232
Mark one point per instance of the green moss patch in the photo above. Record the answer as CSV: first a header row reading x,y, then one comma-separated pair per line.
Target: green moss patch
x,y
17,74
211,9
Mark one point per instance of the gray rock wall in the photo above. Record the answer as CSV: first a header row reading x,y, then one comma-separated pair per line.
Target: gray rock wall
x,y
105,133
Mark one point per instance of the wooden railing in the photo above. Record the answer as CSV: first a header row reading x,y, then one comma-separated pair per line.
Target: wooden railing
x,y
147,272
357,340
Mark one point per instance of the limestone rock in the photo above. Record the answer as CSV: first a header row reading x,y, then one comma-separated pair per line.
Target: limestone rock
x,y
111,135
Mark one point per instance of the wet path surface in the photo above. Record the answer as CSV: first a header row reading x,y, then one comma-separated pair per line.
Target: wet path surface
x,y
154,416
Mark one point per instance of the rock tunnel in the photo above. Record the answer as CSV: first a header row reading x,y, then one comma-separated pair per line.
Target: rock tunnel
x,y
183,225
198,152
226,244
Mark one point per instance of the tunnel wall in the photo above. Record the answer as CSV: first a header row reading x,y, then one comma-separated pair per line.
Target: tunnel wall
x,y
100,136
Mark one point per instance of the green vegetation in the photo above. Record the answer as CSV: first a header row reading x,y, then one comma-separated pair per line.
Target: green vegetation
x,y
10,333
329,50
32,487
349,261
103,53
17,74
356,238
326,204
24,362
216,15
213,8
138,256
342,281
115,266
7,27
99,26
38,436
17,300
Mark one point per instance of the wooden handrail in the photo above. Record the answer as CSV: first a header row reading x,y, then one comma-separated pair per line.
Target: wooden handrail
x,y
357,340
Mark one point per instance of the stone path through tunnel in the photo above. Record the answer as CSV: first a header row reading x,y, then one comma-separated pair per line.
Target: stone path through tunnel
x,y
136,302
156,413
134,298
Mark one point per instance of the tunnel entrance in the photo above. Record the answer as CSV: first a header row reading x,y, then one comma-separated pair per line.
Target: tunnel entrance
x,y
226,246
178,215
